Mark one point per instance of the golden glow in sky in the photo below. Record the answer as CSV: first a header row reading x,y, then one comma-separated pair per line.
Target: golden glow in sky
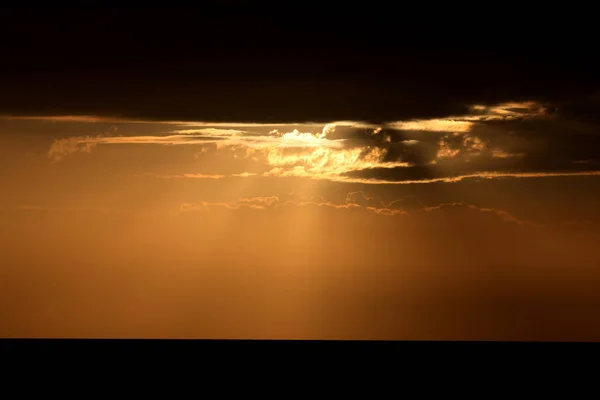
x,y
424,229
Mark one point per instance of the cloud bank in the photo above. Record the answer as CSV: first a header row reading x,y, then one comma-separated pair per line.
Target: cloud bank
x,y
521,140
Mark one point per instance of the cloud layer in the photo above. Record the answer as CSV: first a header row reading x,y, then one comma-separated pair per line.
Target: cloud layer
x,y
359,201
522,140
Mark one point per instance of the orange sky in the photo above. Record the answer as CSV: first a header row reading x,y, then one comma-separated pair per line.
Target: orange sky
x,y
454,228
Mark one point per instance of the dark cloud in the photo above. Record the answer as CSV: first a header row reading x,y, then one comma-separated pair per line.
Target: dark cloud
x,y
557,142
476,171
419,153
395,174
516,143
250,64
354,133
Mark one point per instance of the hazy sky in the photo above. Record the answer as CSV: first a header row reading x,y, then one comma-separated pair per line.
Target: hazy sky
x,y
229,172
450,228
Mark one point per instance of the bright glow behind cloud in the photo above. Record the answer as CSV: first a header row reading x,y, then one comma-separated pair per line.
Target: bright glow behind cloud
x,y
440,150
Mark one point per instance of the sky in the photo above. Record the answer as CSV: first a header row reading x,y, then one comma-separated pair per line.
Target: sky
x,y
212,175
